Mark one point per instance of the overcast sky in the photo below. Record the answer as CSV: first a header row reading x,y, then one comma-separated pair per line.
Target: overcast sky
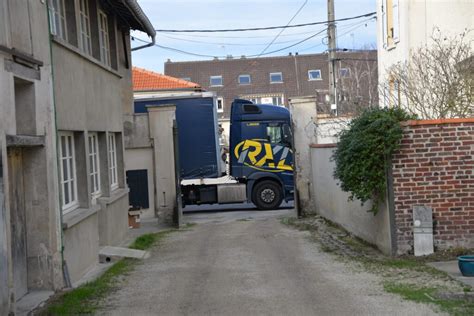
x,y
230,14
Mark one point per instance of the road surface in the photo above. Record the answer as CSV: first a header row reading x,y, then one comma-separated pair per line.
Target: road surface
x,y
247,263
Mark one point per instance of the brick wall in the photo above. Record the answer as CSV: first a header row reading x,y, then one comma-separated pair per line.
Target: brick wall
x,y
435,167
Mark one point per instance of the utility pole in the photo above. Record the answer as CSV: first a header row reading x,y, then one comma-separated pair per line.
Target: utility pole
x,y
332,55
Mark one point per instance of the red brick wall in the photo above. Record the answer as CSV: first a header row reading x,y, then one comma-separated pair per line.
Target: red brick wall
x,y
435,167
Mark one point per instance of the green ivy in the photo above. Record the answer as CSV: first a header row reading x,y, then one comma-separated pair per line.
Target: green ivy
x,y
363,152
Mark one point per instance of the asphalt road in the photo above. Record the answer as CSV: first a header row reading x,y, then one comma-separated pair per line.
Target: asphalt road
x,y
247,263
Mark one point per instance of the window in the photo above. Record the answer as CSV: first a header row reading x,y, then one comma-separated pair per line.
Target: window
x,y
57,18
274,134
94,164
276,77
314,74
85,27
113,162
344,72
390,22
244,79
186,79
278,100
220,105
215,81
68,171
104,38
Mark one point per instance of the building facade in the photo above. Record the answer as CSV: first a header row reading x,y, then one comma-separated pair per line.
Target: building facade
x,y
274,80
30,229
65,80
406,25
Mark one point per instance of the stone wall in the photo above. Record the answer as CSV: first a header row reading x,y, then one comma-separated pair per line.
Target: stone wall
x,y
435,167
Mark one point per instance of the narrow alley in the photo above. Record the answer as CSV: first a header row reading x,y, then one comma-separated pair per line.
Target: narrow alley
x,y
248,263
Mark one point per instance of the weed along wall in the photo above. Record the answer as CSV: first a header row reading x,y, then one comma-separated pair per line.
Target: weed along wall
x,y
435,167
332,203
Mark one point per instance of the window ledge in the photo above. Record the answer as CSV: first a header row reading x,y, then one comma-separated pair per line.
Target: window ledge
x,y
319,79
114,196
91,59
78,215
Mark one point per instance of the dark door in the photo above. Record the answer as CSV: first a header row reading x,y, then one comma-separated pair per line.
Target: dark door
x,y
17,221
137,181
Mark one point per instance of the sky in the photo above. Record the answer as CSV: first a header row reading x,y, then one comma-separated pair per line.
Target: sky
x,y
231,14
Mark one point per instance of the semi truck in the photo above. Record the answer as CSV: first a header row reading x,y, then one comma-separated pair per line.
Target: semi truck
x,y
260,155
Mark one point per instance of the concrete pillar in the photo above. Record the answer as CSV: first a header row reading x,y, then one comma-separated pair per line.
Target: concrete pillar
x,y
161,132
303,115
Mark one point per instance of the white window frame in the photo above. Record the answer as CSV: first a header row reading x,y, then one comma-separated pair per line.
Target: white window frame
x,y
396,21
94,165
310,78
276,73
104,39
57,18
85,41
245,83
216,85
186,78
113,174
67,159
221,100
278,97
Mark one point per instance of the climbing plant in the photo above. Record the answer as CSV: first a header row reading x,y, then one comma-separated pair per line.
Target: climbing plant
x,y
363,152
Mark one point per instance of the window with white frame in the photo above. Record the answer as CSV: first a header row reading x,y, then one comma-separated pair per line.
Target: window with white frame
x,y
113,162
57,18
94,164
314,74
220,105
276,77
390,22
85,27
215,81
277,100
68,171
244,79
104,38
186,78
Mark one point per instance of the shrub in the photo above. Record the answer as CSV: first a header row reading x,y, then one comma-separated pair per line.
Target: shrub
x,y
363,152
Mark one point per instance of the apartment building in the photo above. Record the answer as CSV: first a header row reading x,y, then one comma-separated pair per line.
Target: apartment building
x,y
273,80
65,80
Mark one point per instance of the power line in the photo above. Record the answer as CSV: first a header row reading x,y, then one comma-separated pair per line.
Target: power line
x,y
269,27
217,56
254,36
283,29
223,43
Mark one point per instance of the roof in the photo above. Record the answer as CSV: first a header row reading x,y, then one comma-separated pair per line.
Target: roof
x,y
131,14
146,80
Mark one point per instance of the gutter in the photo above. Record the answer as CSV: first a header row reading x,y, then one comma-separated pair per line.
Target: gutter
x,y
138,13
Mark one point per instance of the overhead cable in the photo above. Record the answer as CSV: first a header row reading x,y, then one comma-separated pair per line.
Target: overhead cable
x,y
269,27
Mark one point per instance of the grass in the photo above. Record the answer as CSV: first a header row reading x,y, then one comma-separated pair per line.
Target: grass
x,y
147,241
86,298
430,295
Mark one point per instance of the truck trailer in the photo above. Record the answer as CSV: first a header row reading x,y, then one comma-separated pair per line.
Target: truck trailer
x,y
260,151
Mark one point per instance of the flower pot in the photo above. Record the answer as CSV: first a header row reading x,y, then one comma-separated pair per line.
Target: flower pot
x,y
466,265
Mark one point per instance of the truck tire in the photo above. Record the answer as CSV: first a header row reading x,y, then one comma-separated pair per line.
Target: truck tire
x,y
267,195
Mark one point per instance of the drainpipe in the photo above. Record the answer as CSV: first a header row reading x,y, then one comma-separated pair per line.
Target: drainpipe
x,y
66,276
143,19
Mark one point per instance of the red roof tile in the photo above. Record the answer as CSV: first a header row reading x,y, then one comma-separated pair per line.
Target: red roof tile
x,y
146,80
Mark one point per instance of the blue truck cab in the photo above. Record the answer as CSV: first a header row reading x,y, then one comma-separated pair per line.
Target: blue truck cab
x,y
261,152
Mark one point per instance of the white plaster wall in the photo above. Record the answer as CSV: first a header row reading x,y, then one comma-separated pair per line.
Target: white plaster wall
x,y
417,20
142,158
332,203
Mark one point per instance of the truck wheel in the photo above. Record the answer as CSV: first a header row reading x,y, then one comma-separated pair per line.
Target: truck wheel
x,y
267,195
